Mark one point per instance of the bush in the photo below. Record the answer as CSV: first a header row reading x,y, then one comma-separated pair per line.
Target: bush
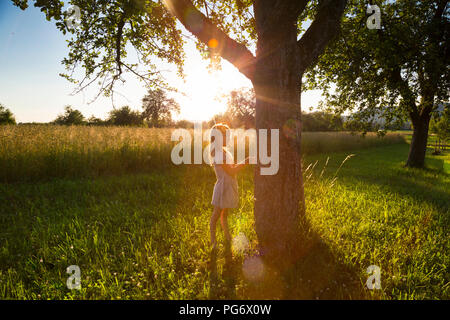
x,y
70,117
125,117
6,116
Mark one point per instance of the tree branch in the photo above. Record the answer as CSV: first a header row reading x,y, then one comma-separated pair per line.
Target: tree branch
x,y
324,28
293,7
205,30
406,93
119,43
441,8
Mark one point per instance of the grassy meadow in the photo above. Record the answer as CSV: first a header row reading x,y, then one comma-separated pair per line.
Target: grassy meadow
x,y
109,200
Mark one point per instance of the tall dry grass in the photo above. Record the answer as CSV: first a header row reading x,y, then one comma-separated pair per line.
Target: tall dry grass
x,y
35,152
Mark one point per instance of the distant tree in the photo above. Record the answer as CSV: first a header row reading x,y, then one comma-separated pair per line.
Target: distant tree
x,y
70,117
158,108
240,110
241,107
125,117
6,116
402,67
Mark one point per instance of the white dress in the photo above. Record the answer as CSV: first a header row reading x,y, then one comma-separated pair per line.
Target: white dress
x,y
225,193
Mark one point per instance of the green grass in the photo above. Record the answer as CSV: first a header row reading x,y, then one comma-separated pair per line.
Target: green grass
x,y
143,234
379,212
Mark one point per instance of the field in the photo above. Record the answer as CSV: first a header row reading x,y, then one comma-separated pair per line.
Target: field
x,y
110,201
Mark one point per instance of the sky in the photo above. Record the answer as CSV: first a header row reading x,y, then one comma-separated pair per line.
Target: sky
x,y
31,51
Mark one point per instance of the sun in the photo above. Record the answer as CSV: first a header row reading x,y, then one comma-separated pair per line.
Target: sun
x,y
203,97
204,91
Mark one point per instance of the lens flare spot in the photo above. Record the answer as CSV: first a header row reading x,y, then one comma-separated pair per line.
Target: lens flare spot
x,y
213,43
253,268
240,243
290,128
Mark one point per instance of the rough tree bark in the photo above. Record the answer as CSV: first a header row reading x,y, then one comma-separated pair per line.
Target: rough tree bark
x,y
418,148
277,88
280,62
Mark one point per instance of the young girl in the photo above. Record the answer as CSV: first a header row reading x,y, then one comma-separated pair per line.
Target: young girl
x,y
225,194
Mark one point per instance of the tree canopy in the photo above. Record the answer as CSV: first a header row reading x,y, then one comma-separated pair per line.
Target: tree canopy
x,y
107,30
399,71
101,40
399,68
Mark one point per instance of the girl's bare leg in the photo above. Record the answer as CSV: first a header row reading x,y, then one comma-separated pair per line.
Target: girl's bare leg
x,y
212,226
224,223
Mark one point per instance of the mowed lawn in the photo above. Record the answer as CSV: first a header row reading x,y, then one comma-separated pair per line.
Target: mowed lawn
x,y
144,235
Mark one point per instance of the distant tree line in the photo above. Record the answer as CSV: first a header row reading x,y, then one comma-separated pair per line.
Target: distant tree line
x,y
240,113
157,112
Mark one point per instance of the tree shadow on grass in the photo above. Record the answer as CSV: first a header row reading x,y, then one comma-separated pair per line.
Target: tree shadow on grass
x,y
318,274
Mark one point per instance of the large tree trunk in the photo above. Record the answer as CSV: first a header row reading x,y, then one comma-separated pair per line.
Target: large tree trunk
x,y
418,148
278,197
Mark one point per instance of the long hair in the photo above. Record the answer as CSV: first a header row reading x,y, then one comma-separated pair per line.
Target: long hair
x,y
222,127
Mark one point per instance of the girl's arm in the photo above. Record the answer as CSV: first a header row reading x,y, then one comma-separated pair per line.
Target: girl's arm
x,y
233,169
